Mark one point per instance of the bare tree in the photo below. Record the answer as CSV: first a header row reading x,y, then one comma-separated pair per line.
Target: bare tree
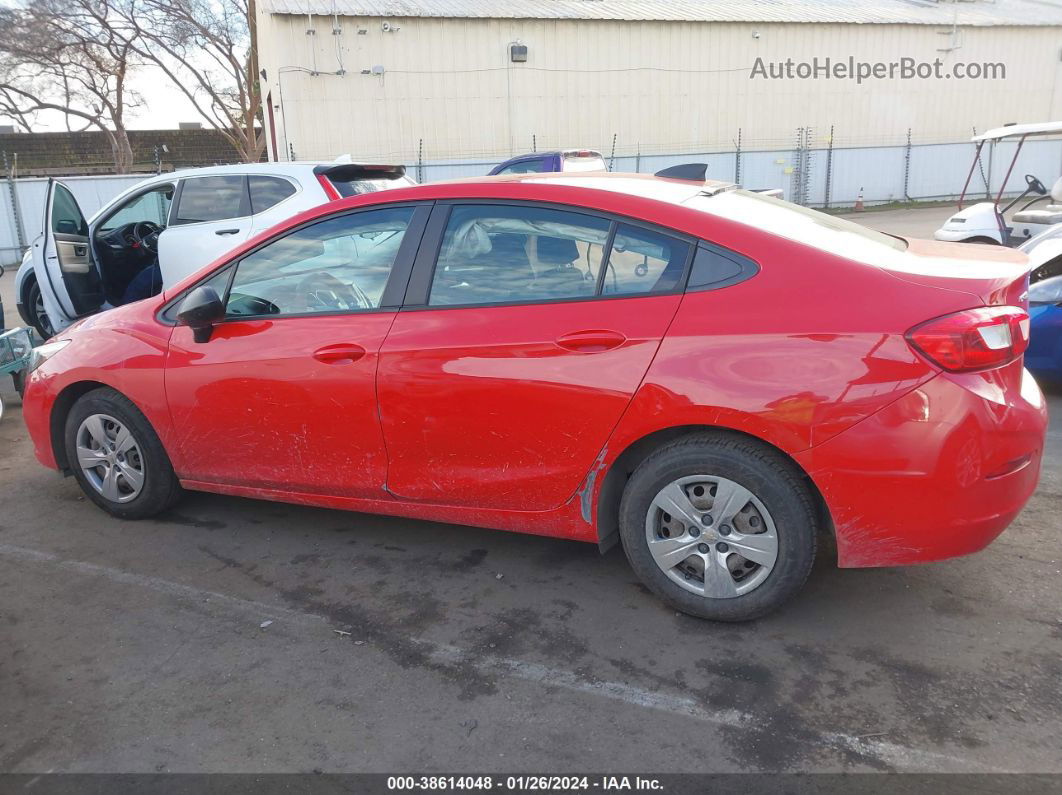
x,y
69,57
207,50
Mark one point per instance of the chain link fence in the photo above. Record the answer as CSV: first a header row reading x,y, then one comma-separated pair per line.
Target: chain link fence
x,y
814,168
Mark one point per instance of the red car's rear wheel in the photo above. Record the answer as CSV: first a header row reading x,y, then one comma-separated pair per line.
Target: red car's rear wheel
x,y
720,526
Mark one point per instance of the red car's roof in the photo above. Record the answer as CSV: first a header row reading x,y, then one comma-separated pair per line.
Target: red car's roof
x,y
641,194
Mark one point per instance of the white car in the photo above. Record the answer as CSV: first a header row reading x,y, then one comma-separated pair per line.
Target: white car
x,y
165,228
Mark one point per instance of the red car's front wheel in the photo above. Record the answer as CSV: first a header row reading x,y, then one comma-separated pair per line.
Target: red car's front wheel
x,y
117,458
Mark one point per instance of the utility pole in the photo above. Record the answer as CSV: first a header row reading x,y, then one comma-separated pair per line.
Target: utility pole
x,y
254,82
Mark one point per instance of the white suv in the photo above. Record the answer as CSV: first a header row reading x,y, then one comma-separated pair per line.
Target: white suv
x,y
165,228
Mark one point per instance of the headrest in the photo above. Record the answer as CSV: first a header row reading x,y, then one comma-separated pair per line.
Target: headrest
x,y
557,251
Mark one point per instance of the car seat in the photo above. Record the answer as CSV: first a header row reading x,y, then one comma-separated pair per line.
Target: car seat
x,y
497,274
1051,214
560,278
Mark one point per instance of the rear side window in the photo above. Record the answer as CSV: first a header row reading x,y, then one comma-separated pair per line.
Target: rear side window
x,y
715,267
508,254
267,192
211,199
642,261
517,254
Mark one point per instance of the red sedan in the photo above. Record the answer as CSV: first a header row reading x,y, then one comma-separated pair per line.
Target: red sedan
x,y
714,378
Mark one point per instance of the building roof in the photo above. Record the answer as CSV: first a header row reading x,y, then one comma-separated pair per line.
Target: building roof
x,y
903,12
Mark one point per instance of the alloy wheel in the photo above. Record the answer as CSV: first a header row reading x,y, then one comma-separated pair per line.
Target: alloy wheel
x,y
712,536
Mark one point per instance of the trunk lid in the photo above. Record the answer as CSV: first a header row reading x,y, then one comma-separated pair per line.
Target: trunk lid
x,y
993,275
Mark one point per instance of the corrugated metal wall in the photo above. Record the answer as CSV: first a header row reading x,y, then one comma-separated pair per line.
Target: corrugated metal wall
x,y
449,89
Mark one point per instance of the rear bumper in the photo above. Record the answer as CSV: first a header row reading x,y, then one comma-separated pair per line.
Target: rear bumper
x,y
939,473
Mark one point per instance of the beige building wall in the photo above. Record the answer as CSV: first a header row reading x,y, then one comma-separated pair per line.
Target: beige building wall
x,y
657,86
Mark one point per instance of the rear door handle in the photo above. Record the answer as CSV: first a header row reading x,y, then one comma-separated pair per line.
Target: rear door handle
x,y
339,354
227,232
591,341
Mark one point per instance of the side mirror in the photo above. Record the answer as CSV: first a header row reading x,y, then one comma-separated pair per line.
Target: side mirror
x,y
200,310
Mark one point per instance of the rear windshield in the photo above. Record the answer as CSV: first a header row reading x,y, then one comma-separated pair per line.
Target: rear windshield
x,y
576,163
354,187
804,225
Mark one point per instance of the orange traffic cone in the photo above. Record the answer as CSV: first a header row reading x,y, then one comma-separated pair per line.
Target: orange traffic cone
x,y
859,202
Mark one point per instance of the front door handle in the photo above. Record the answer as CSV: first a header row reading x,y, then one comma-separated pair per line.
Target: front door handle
x,y
339,354
591,341
227,232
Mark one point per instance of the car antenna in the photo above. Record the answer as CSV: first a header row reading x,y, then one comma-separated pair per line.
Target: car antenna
x,y
694,172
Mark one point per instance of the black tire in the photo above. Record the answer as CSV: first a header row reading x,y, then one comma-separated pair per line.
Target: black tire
x,y
770,477
42,326
160,489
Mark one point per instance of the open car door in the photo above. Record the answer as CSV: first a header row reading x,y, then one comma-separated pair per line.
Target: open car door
x,y
69,281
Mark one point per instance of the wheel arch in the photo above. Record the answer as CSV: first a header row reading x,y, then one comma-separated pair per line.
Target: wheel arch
x,y
623,466
61,407
24,281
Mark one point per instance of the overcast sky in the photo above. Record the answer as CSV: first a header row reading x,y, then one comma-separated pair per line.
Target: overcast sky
x,y
164,106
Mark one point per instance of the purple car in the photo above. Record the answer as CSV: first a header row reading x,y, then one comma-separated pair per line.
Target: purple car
x,y
560,160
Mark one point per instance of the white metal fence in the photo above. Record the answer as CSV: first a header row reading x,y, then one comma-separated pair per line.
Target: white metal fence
x,y
835,177
819,176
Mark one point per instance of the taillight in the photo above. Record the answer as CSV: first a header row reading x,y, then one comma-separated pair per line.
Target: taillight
x,y
329,188
974,339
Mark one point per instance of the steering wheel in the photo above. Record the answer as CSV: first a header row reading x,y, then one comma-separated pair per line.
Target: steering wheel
x,y
323,292
146,236
1035,184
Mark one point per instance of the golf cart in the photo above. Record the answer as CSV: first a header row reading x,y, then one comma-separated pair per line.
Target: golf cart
x,y
985,222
